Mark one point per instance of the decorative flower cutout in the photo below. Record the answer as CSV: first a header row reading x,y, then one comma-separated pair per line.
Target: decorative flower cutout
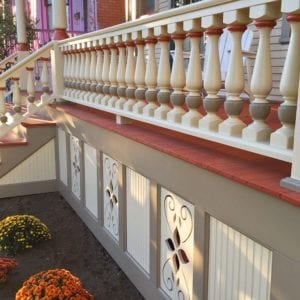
x,y
113,201
179,256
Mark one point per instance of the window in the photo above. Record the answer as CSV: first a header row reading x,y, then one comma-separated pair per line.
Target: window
x,y
178,3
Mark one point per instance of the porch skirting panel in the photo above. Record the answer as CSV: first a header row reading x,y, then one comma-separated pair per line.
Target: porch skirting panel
x,y
177,231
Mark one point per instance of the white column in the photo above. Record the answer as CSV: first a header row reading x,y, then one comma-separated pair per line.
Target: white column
x,y
284,136
177,80
151,78
193,82
139,77
121,76
113,90
59,19
212,81
21,25
129,75
163,79
260,107
234,84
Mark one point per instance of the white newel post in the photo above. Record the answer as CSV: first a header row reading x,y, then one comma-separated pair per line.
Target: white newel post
x,y
212,81
164,74
234,82
151,76
129,75
177,79
121,75
139,77
284,136
113,89
105,74
59,19
194,77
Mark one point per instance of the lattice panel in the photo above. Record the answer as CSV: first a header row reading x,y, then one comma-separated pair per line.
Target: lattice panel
x,y
239,268
111,196
177,246
75,166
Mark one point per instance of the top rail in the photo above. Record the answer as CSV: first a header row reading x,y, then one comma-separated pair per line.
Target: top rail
x,y
26,62
189,12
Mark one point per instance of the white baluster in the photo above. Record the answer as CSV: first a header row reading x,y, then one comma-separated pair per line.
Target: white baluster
x,y
177,80
87,82
163,79
113,90
105,74
139,77
260,107
31,107
151,78
284,136
16,99
77,66
129,76
234,84
212,81
66,62
93,68
81,72
193,82
3,117
45,81
98,75
121,76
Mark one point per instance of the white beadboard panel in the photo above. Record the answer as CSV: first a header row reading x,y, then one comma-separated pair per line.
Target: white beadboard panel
x,y
111,195
239,268
138,218
75,166
177,246
91,180
40,166
62,152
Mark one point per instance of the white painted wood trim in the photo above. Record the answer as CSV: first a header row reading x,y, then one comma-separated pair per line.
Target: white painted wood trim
x,y
138,218
40,166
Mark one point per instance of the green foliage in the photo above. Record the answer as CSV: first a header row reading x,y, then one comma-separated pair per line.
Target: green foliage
x,y
8,30
21,232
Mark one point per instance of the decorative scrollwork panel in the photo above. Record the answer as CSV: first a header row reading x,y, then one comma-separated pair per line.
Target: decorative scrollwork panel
x,y
111,196
177,246
75,166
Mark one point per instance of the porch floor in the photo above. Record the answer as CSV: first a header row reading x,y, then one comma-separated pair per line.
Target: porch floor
x,y
72,247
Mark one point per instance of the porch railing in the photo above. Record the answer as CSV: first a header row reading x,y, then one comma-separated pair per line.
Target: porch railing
x,y
19,110
125,70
